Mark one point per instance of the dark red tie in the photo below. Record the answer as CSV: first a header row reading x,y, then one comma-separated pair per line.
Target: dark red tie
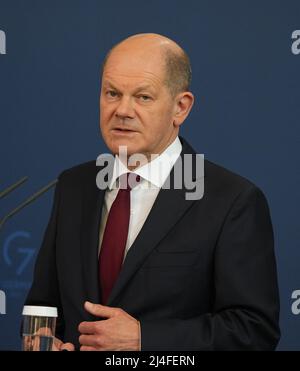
x,y
115,236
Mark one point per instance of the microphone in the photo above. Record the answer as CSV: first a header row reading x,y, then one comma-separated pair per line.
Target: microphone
x,y
28,201
13,187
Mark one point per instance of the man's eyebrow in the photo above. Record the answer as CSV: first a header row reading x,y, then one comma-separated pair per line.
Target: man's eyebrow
x,y
138,89
109,84
143,87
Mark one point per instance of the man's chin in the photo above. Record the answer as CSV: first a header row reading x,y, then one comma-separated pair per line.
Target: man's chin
x,y
120,146
126,150
132,153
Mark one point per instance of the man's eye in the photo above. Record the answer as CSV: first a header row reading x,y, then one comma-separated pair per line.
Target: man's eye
x,y
145,98
112,93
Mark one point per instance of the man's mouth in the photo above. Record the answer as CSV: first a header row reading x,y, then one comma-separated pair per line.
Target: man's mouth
x,y
122,130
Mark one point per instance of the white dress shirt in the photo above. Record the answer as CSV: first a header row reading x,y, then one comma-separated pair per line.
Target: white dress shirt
x,y
142,197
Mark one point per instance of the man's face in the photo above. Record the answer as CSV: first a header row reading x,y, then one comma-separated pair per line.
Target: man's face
x,y
136,107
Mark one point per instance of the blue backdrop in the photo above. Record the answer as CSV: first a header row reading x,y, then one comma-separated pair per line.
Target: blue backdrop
x,y
246,79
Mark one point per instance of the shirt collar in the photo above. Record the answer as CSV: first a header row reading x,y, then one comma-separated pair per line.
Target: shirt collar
x,y
155,171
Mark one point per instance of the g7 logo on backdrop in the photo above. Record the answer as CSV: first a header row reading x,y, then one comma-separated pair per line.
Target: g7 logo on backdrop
x,y
17,256
2,42
296,43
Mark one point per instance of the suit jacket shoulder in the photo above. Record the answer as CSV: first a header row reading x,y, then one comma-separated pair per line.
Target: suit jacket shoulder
x,y
78,174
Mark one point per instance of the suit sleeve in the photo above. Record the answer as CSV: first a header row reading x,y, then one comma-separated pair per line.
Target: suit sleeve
x,y
45,290
245,310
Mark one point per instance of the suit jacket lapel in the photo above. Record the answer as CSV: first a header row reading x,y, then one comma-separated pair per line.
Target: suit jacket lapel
x,y
93,199
168,208
170,205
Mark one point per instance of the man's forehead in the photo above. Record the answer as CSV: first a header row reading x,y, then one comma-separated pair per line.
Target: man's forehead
x,y
136,53
134,67
113,83
132,82
135,59
135,70
140,44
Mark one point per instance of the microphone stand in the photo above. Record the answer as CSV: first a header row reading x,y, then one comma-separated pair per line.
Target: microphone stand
x,y
28,201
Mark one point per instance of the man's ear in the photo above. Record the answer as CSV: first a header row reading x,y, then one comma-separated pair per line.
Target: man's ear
x,y
183,105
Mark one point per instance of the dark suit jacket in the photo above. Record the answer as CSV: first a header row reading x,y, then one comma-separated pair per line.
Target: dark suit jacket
x,y
201,275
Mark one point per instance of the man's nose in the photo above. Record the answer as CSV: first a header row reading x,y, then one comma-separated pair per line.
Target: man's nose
x,y
125,108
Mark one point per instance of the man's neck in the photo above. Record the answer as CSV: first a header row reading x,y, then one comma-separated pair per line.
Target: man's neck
x,y
134,161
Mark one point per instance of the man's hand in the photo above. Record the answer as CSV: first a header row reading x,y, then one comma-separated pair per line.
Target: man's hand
x,y
119,331
59,346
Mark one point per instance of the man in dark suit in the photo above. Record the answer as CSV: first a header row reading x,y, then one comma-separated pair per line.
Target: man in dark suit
x,y
144,266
